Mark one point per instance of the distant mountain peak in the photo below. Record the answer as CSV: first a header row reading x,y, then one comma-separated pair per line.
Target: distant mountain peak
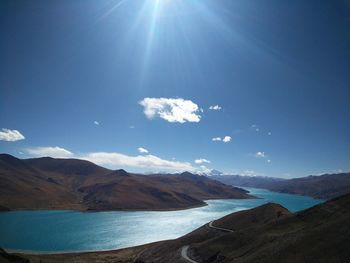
x,y
121,172
186,173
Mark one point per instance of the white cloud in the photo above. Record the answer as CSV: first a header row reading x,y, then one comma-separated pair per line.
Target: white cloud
x,y
260,155
255,127
171,110
226,139
201,160
215,107
142,150
10,135
96,123
328,172
55,152
269,161
269,133
214,172
204,170
249,173
117,160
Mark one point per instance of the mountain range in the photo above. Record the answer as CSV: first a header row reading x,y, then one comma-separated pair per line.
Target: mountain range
x,y
324,186
48,183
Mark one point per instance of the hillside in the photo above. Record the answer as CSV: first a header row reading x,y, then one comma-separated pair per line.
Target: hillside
x,y
318,234
325,186
24,186
48,183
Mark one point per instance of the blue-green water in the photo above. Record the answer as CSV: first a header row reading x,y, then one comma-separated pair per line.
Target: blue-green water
x,y
66,231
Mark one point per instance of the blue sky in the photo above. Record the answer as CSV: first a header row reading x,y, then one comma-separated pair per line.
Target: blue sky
x,y
100,79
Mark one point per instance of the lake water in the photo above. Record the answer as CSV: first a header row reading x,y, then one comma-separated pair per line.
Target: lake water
x,y
67,231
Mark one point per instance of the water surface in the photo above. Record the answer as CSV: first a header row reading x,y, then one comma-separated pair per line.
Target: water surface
x,y
68,231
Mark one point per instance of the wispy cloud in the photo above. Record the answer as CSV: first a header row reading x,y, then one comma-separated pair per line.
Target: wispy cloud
x,y
117,160
55,152
201,160
248,173
171,110
10,135
260,155
96,122
255,127
225,139
142,150
215,107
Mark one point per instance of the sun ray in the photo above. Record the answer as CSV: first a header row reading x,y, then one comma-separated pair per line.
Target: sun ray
x,y
112,9
150,37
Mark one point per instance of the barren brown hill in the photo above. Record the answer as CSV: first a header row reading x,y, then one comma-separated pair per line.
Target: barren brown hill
x,y
48,183
169,251
324,186
25,187
267,234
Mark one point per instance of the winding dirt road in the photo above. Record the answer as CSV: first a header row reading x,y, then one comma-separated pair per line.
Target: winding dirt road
x,y
184,254
184,249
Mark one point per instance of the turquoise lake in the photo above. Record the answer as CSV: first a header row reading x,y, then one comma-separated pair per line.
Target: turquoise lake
x,y
68,231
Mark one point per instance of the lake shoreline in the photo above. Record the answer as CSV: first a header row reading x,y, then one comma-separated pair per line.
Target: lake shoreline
x,y
71,253
102,210
139,227
128,254
120,210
